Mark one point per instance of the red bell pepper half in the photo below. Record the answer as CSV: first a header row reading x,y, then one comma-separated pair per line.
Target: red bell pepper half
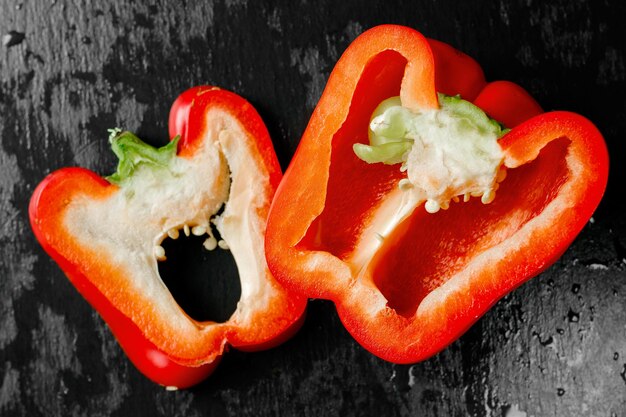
x,y
106,234
378,210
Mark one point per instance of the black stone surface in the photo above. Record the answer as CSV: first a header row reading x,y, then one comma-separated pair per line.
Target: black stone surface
x,y
71,69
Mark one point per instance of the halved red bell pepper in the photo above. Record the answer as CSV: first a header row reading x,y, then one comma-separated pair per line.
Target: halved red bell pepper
x,y
407,288
106,234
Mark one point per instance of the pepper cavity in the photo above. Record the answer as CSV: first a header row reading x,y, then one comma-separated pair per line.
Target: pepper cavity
x,y
448,153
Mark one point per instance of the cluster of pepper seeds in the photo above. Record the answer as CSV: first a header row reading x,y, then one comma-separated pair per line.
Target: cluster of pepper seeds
x,y
433,206
211,243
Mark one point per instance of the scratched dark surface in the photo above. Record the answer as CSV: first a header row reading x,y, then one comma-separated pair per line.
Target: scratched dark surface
x,y
71,69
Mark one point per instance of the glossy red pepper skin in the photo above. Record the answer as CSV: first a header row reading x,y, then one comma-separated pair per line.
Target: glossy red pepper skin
x,y
155,355
435,274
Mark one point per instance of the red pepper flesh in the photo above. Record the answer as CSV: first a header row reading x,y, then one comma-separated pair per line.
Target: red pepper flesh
x,y
165,353
434,275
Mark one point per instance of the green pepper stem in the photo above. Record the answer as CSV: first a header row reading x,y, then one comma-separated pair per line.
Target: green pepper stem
x,y
467,110
133,152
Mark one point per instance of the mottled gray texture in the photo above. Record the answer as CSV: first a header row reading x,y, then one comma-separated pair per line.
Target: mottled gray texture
x,y
315,67
309,64
56,353
10,388
554,347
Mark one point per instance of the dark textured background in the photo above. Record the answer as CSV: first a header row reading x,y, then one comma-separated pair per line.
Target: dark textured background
x,y
70,69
